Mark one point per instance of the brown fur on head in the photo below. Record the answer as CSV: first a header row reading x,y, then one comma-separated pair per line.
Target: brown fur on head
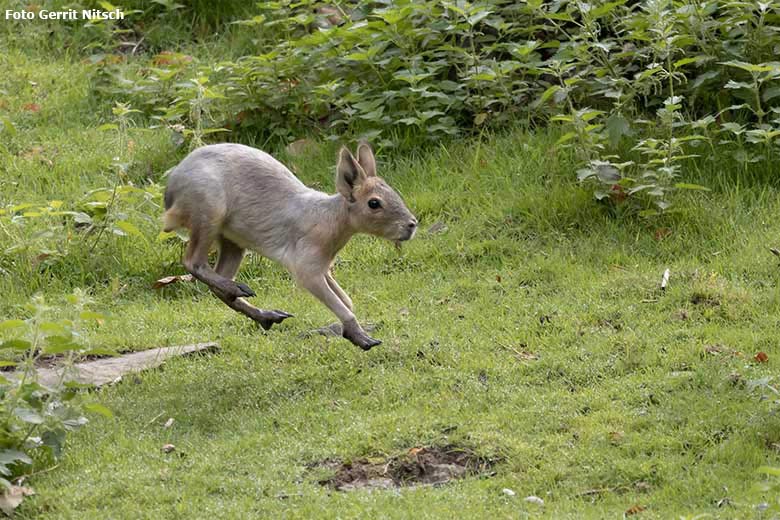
x,y
374,207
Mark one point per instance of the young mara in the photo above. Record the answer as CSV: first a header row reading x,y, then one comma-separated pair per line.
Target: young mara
x,y
243,198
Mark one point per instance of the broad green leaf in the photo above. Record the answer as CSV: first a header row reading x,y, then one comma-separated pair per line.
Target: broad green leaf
x,y
590,114
737,84
770,93
375,115
11,324
605,9
53,329
11,456
685,61
484,76
82,218
357,56
54,440
547,94
60,344
16,344
130,229
565,17
704,77
566,137
99,409
90,315
28,415
617,127
477,17
749,67
212,94
72,424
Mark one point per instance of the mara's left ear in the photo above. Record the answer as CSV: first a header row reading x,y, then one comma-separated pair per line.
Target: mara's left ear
x,y
349,174
365,157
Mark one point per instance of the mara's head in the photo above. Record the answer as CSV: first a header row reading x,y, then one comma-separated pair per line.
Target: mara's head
x,y
374,207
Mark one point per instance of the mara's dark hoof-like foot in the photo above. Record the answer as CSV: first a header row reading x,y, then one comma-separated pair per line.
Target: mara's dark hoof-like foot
x,y
359,337
266,319
243,290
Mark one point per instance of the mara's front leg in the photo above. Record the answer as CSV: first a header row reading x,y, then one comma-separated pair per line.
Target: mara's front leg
x,y
336,288
317,283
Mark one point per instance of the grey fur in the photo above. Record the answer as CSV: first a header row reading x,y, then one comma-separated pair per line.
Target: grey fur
x,y
244,199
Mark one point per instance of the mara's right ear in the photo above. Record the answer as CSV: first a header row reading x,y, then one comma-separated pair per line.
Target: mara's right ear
x,y
349,174
365,157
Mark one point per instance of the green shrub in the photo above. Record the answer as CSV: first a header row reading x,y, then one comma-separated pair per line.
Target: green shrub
x,y
639,87
35,419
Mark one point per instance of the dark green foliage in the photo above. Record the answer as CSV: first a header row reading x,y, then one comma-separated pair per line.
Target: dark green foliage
x,y
640,87
35,419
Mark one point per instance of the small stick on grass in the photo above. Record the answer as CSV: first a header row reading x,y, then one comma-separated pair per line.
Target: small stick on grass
x,y
600,491
665,280
154,419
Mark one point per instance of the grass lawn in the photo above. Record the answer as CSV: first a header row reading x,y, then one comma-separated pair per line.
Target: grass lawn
x,y
530,328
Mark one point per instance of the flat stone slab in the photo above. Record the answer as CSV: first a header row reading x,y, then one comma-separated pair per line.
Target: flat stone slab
x,y
103,371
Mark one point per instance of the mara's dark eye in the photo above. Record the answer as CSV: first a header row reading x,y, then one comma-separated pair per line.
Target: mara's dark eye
x,y
374,204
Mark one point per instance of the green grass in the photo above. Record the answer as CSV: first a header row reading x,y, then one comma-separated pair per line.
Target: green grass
x,y
623,397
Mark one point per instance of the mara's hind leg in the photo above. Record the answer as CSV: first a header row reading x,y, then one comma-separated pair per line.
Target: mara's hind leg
x,y
230,256
202,235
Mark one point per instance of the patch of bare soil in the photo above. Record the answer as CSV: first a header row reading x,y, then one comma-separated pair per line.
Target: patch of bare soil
x,y
426,466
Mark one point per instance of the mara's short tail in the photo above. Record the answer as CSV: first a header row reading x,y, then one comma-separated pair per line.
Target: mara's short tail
x,y
171,218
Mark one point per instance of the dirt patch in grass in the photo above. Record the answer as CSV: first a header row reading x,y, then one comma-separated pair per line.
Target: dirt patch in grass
x,y
426,466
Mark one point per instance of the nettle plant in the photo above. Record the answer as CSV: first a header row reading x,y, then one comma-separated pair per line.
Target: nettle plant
x,y
646,74
174,91
758,92
639,88
38,235
35,419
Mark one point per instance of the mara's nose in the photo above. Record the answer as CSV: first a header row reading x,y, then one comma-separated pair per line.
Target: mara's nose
x,y
412,223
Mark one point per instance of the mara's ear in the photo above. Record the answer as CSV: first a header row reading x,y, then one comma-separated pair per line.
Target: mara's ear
x,y
349,174
365,156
